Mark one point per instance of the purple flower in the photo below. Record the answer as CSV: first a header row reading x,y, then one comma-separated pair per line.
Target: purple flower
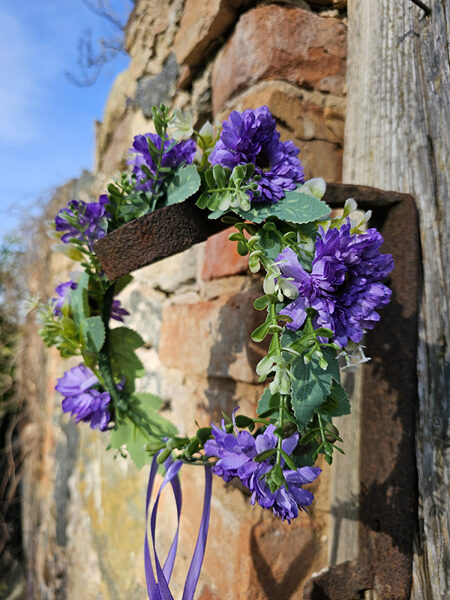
x,y
251,137
236,453
82,400
63,294
87,222
344,284
182,152
286,500
117,312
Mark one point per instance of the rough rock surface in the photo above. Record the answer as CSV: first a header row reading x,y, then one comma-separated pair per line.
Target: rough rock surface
x,y
277,42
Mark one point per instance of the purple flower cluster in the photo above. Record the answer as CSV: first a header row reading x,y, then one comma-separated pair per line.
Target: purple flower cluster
x,y
251,137
63,294
182,152
344,284
82,400
236,453
84,221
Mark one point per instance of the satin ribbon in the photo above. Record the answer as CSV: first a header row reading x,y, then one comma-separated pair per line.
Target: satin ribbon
x,y
158,587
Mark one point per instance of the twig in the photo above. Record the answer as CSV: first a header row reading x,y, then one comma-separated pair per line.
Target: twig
x,y
426,9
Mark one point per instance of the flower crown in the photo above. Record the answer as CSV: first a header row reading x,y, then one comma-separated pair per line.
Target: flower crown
x,y
322,290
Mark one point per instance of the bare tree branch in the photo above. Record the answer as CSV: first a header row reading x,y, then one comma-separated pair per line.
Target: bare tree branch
x,y
91,59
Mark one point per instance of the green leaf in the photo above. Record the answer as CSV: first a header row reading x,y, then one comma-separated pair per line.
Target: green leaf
x,y
275,478
182,185
263,455
203,434
150,404
136,207
261,303
242,421
220,175
79,303
94,333
202,202
295,207
290,463
260,332
122,283
134,439
269,404
270,241
125,363
311,385
337,403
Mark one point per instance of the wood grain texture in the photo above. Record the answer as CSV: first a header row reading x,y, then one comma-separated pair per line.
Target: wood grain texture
x,y
398,137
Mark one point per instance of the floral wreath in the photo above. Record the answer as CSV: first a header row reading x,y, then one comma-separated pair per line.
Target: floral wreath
x,y
322,289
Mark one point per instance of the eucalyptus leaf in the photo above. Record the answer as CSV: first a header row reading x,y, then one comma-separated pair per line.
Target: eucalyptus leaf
x,y
184,183
295,207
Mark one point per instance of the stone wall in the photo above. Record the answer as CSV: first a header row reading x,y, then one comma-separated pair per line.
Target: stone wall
x,y
83,506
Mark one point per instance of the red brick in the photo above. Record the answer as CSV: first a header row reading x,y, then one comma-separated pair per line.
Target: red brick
x,y
277,42
222,258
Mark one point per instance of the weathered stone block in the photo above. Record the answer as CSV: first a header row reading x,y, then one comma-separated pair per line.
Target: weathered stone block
x,y
277,42
221,257
212,337
305,114
202,23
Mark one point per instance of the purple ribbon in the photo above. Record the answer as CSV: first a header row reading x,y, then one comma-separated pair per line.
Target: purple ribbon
x,y
158,588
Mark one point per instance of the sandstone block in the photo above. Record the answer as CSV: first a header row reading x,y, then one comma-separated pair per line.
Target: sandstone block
x,y
321,159
278,42
212,337
306,115
221,257
201,24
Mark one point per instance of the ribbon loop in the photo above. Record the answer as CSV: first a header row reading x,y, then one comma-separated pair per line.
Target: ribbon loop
x,y
158,587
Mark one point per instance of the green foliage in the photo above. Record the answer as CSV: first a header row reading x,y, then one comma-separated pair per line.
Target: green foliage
x,y
138,440
122,345
294,208
338,403
93,332
183,184
312,384
79,302
269,405
225,189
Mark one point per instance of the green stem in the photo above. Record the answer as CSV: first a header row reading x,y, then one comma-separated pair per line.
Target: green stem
x,y
322,435
277,346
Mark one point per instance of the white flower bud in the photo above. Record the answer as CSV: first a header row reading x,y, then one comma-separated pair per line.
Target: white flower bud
x,y
349,206
314,187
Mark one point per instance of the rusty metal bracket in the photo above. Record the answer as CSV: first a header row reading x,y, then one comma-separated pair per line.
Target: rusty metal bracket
x,y
387,469
388,494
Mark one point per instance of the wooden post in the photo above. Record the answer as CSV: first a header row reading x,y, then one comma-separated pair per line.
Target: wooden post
x,y
398,137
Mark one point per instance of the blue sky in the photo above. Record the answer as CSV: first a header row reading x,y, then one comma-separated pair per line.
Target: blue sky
x,y
46,123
